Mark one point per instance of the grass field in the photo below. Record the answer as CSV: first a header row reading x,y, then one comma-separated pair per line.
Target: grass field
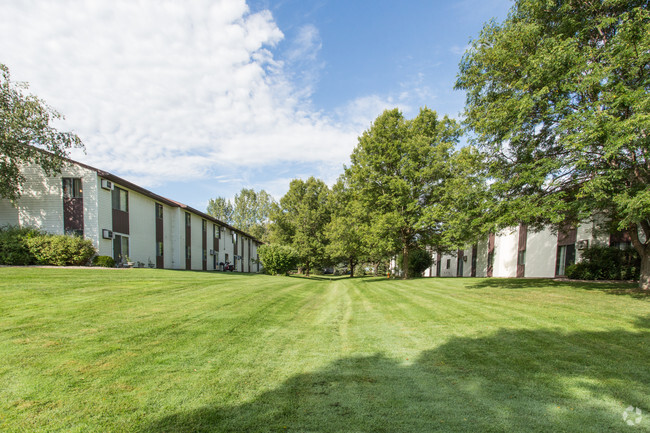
x,y
148,350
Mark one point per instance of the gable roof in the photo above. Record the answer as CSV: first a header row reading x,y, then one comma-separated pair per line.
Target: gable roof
x,y
123,182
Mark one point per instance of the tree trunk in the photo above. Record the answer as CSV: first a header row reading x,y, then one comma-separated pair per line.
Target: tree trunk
x,y
644,278
405,262
307,270
375,266
644,253
351,269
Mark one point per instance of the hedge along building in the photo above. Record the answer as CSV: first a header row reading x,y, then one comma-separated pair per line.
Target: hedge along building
x,y
520,252
125,220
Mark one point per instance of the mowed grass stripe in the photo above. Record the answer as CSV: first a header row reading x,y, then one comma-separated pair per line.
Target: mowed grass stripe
x,y
149,350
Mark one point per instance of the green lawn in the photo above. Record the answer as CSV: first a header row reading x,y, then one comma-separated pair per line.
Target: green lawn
x,y
147,351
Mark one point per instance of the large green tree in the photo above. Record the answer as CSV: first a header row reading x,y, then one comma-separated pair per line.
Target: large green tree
x,y
25,132
397,170
558,97
347,231
249,211
299,220
221,208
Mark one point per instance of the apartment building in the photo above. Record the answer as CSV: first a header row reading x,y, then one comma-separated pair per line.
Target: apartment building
x,y
124,220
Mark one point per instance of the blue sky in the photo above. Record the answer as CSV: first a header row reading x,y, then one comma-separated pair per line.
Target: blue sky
x,y
199,99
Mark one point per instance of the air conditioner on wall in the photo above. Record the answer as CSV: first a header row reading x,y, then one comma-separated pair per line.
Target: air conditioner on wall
x,y
213,253
107,184
583,244
107,234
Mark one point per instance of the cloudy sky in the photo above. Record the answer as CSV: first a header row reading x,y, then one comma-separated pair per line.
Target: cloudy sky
x,y
198,99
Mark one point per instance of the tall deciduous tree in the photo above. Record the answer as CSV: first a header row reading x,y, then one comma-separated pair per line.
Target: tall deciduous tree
x,y
221,209
397,170
300,220
249,211
25,131
347,231
558,95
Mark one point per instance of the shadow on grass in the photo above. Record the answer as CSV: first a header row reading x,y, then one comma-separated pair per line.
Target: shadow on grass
x,y
614,288
512,380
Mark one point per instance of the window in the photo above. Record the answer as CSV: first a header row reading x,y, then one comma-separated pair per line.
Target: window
x,y
205,255
204,226
566,256
448,263
216,231
159,249
72,187
159,211
188,252
188,219
120,248
234,237
120,199
521,258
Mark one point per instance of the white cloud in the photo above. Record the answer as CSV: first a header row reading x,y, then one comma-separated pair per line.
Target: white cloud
x,y
165,90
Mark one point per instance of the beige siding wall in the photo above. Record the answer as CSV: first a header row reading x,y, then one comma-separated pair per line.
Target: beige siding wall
x,y
506,244
41,201
541,251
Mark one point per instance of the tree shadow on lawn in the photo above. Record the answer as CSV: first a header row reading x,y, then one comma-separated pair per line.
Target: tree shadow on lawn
x,y
512,380
614,288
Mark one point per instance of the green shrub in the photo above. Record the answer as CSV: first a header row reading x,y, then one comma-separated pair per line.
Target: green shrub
x,y
277,259
605,263
61,250
13,246
419,261
104,261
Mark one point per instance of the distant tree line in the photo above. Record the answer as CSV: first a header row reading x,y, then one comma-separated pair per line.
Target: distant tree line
x,y
558,123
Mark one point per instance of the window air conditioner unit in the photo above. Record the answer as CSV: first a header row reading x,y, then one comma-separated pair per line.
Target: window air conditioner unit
x,y
107,234
213,253
583,245
107,184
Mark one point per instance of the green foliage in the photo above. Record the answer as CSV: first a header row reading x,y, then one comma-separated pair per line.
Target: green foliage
x,y
347,231
277,259
249,211
104,261
13,246
25,131
221,209
605,263
398,170
557,96
61,250
300,220
419,261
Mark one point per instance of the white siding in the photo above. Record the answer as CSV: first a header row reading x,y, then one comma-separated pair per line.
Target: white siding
x,y
8,213
142,228
541,250
506,244
41,201
174,237
197,243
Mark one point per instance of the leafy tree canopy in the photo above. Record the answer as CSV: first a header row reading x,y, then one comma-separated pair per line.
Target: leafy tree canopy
x,y
25,132
397,170
249,211
558,96
300,220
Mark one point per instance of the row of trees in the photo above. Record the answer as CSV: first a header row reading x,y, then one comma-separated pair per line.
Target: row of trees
x,y
557,111
407,187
